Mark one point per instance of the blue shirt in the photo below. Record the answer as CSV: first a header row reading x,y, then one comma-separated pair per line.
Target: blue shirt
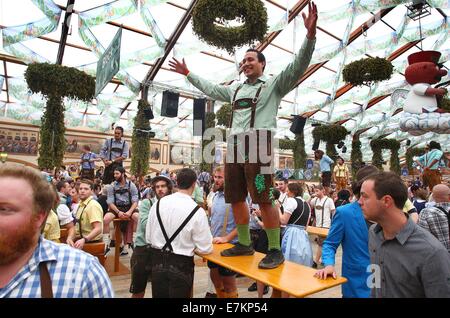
x,y
349,228
87,164
427,158
106,152
74,274
325,163
219,210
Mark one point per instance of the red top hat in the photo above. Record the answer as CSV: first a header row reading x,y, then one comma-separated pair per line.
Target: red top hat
x,y
424,56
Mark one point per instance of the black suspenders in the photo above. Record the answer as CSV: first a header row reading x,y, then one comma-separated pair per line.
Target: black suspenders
x,y
168,245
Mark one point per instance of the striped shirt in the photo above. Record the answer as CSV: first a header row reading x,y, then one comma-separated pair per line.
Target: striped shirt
x,y
435,221
74,274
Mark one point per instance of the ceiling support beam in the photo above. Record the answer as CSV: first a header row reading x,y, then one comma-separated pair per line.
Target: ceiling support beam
x,y
65,31
169,46
6,81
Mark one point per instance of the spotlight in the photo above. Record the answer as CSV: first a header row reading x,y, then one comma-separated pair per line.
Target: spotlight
x,y
408,142
340,144
344,149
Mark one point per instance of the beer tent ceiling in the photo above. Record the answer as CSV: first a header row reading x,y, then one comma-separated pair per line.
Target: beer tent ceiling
x,y
347,31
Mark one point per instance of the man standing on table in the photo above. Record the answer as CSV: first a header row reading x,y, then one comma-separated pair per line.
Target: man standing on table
x,y
254,108
113,153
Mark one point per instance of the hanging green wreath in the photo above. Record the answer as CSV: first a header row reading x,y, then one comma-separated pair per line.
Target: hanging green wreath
x,y
209,16
140,141
56,82
367,71
410,153
331,134
378,145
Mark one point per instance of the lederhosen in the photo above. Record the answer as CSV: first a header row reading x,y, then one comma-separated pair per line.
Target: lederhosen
x,y
87,173
240,168
108,174
123,207
172,274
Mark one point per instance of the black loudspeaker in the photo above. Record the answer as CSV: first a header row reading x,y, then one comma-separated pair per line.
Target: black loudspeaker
x,y
344,149
298,124
169,105
316,145
148,113
408,142
199,108
199,116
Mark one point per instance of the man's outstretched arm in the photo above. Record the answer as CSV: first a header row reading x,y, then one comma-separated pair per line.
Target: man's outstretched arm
x,y
288,77
217,92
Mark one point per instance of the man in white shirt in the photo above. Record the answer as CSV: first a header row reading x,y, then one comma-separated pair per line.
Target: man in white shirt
x,y
281,185
177,228
323,209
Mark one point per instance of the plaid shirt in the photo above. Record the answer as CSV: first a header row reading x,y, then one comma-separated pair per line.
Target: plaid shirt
x,y
74,274
436,222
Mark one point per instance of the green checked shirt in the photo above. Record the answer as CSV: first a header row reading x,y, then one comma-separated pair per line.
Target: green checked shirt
x,y
273,90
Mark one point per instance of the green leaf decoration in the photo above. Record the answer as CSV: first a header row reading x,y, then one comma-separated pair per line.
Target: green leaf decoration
x,y
367,71
140,141
260,183
378,145
56,82
209,22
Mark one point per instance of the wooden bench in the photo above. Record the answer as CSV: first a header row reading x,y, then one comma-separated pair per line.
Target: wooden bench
x,y
292,278
97,249
320,231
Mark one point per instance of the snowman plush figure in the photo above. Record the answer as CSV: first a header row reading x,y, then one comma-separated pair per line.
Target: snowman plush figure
x,y
422,72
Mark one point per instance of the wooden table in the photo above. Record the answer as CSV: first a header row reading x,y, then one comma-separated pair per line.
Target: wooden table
x,y
116,268
320,231
292,278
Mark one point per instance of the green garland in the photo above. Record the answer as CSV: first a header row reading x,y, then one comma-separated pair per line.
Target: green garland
x,y
223,115
260,183
367,71
209,123
56,82
298,149
52,143
286,144
331,134
356,155
378,145
140,141
207,13
410,153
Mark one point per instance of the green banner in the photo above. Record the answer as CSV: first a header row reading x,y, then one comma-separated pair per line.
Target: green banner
x,y
108,64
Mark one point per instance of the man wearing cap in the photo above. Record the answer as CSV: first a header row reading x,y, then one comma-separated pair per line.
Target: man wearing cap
x,y
113,153
254,112
141,260
430,164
